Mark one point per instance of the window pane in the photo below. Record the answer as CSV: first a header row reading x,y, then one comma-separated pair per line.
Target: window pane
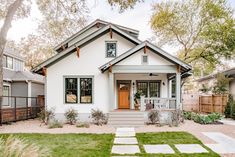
x,y
71,90
10,62
143,87
154,89
173,89
144,59
111,49
86,90
4,61
6,91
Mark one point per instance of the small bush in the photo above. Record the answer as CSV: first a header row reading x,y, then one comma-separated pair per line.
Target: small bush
x,y
46,115
83,125
71,116
207,119
229,111
98,117
55,124
153,116
16,147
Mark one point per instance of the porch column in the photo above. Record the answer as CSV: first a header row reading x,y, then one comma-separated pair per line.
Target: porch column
x,y
111,91
178,90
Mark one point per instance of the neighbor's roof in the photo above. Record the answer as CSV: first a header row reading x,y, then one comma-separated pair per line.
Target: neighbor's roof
x,y
228,72
84,41
155,49
97,21
13,53
10,75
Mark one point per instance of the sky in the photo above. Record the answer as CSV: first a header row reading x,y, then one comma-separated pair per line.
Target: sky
x,y
137,18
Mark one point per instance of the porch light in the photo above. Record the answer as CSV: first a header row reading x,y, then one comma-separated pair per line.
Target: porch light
x,y
133,83
163,83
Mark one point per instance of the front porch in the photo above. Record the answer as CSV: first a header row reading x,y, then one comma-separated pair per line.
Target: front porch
x,y
160,88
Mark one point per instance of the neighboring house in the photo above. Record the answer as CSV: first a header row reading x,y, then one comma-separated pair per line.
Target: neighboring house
x,y
19,82
209,80
103,65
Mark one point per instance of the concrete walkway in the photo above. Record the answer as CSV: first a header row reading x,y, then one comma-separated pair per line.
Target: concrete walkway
x,y
224,145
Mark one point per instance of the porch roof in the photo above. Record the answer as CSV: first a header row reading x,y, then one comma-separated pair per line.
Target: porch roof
x,y
184,66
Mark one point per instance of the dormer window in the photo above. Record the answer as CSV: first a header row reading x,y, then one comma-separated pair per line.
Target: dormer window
x,y
144,59
111,49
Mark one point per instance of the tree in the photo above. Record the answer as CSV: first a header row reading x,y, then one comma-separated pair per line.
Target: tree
x,y
222,84
204,30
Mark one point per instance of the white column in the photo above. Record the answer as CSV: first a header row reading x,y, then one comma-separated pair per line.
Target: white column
x,y
178,90
111,92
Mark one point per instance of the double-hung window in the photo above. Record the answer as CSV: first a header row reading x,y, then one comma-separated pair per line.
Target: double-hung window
x,y
78,89
7,62
149,88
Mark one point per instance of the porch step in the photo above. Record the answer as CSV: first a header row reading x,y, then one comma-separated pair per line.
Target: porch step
x,y
126,119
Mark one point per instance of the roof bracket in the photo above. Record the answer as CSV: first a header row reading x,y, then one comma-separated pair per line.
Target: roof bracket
x,y
78,51
44,71
110,32
145,48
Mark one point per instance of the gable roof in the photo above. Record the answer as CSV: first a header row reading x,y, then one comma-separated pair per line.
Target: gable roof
x,y
82,42
155,49
97,21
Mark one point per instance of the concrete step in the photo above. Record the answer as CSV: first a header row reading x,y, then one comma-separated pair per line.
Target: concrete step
x,y
126,119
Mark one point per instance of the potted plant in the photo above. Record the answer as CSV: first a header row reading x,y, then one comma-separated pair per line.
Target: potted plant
x,y
136,99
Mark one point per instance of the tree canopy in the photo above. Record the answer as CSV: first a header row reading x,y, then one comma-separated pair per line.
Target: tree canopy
x,y
204,30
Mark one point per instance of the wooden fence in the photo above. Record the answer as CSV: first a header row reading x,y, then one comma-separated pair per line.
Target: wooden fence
x,y
16,108
204,103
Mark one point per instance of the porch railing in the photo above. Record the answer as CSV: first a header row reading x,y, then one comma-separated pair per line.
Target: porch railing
x,y
157,103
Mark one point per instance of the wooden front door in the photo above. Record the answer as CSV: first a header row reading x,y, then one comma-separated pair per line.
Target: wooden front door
x,y
124,95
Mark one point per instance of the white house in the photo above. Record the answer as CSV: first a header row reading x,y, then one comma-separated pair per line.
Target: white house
x,y
103,66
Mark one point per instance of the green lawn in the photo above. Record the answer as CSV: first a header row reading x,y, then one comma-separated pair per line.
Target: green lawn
x,y
99,145
171,138
72,145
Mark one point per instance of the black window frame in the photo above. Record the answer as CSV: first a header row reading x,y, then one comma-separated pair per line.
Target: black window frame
x,y
143,82
158,88
106,48
65,90
80,90
148,82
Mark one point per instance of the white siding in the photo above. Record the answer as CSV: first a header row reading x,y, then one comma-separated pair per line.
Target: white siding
x,y
153,59
92,56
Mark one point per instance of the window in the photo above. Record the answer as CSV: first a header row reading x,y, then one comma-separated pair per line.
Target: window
x,y
71,90
8,62
154,89
143,87
111,49
144,59
79,89
149,88
173,89
6,92
85,90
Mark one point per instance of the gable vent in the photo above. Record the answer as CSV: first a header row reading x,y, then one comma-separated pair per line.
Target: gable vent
x,y
144,59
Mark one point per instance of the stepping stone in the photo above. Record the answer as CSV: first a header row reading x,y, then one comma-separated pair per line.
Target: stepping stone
x,y
190,148
125,134
125,130
221,148
159,148
128,140
125,149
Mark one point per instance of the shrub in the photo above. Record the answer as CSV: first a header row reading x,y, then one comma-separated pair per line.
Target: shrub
x,y
153,116
46,115
83,125
207,119
230,108
55,124
71,116
98,117
16,147
177,117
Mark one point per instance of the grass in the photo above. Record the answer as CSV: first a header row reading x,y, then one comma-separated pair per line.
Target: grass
x,y
99,145
171,138
71,145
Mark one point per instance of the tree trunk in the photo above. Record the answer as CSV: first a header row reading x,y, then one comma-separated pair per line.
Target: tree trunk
x,y
3,34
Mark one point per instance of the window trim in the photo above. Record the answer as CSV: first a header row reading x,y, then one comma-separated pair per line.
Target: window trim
x,y
148,86
78,88
142,59
106,53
